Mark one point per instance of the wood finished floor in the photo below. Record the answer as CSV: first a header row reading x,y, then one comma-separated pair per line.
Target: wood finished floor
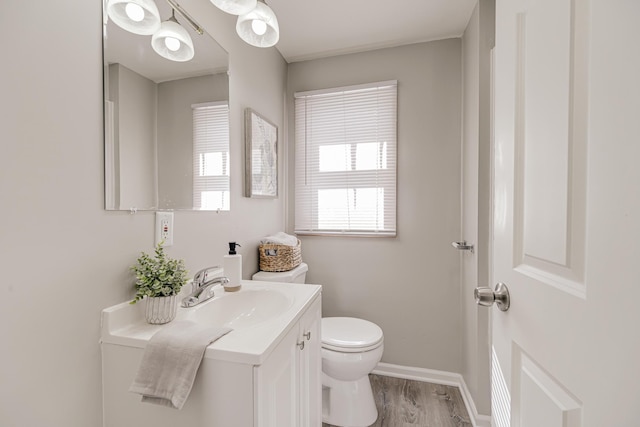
x,y
408,403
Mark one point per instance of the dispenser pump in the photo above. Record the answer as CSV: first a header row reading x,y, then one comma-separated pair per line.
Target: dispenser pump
x,y
232,264
232,247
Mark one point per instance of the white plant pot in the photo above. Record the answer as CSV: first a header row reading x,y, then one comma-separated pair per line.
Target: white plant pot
x,y
161,310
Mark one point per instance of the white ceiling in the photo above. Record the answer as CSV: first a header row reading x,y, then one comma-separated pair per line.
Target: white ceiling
x,y
312,29
309,29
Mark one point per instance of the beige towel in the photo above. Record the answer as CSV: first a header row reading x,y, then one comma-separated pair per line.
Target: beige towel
x,y
281,238
171,360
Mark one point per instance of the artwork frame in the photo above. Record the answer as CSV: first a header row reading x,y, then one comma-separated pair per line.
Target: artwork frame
x,y
261,156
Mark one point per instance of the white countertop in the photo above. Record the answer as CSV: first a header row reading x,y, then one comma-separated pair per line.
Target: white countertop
x,y
124,324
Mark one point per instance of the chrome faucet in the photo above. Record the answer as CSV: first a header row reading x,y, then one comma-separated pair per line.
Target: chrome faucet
x,y
203,275
202,286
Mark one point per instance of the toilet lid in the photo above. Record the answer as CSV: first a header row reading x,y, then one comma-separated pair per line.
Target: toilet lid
x,y
349,334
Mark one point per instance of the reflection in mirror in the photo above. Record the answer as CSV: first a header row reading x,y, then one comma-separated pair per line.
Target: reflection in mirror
x,y
166,122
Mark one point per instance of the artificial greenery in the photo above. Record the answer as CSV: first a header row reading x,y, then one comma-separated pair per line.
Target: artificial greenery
x,y
160,276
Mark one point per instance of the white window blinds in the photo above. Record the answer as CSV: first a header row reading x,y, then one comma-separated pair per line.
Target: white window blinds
x,y
345,141
211,156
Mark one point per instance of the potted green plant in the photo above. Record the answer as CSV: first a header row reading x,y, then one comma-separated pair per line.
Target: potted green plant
x,y
159,279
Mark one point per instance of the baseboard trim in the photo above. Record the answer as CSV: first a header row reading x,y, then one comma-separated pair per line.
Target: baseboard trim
x,y
436,377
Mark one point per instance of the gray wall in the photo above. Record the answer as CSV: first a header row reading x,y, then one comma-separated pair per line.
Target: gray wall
x,y
409,285
63,257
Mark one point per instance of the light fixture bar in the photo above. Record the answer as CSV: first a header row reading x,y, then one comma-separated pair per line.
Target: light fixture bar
x,y
196,27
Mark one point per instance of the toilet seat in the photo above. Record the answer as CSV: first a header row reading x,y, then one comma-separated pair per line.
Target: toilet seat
x,y
350,335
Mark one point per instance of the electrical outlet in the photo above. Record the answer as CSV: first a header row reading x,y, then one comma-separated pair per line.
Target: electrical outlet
x,y
164,228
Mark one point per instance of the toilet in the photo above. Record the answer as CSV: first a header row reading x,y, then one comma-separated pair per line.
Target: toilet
x,y
351,349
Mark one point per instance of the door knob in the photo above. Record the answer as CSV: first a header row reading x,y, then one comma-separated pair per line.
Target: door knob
x,y
486,297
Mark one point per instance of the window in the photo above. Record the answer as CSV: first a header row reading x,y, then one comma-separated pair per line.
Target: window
x,y
211,156
345,141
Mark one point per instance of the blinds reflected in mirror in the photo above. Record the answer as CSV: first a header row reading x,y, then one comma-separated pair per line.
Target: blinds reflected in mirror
x,y
211,156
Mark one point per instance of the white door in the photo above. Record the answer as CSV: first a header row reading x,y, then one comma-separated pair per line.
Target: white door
x,y
567,213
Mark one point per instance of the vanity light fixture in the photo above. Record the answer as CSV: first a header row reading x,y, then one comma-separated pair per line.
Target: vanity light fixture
x,y
259,27
172,41
235,7
136,16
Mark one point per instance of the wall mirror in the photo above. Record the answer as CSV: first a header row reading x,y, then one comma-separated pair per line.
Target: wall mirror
x,y
166,121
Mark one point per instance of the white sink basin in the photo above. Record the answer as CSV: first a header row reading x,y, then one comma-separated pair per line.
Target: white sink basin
x,y
242,309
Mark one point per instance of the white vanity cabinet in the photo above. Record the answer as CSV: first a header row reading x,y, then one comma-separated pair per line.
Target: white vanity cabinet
x,y
288,385
272,381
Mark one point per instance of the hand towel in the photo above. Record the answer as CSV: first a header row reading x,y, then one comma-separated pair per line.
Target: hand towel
x,y
281,238
171,360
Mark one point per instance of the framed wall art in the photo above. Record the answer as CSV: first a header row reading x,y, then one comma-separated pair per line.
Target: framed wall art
x,y
261,156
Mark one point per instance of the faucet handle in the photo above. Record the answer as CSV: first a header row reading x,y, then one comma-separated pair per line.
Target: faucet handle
x,y
203,276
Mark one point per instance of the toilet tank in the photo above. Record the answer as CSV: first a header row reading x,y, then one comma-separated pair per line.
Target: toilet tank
x,y
297,275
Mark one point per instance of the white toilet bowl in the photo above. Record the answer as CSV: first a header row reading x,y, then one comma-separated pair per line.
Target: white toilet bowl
x,y
351,349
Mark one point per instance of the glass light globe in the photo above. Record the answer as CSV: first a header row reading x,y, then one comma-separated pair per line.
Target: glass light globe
x,y
245,26
136,16
171,29
235,7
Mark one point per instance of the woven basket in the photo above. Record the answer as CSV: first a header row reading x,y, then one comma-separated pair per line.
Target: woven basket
x,y
275,257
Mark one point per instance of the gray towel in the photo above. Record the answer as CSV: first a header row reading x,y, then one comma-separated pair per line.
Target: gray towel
x,y
171,360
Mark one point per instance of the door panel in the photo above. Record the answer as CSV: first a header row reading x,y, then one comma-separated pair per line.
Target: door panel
x,y
550,144
540,400
542,98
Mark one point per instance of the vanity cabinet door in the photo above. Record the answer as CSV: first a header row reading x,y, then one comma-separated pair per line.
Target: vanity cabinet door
x,y
276,385
288,385
310,368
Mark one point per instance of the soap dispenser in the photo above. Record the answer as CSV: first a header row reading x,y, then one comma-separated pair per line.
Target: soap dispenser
x,y
232,265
